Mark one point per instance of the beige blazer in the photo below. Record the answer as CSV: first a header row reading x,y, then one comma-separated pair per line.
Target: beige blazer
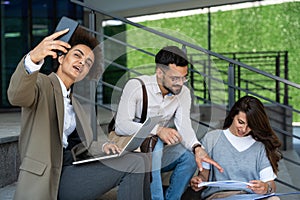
x,y
40,141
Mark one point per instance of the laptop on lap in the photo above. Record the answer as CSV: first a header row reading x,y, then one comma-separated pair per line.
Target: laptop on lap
x,y
132,144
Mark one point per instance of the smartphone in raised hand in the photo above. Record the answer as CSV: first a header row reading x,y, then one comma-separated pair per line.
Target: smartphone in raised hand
x,y
64,23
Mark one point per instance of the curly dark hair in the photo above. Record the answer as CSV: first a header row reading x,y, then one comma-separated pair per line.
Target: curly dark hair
x,y
260,126
82,36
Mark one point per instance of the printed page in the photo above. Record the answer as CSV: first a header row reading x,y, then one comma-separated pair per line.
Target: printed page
x,y
227,184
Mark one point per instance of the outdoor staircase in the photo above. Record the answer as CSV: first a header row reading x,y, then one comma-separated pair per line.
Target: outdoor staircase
x,y
288,173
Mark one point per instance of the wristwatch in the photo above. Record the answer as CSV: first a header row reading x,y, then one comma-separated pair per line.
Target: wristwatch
x,y
195,146
270,189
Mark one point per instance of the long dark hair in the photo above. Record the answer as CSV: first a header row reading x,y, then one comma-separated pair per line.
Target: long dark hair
x,y
260,126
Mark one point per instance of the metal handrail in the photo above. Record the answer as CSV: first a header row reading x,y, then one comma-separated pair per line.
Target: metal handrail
x,y
287,184
202,74
210,53
196,47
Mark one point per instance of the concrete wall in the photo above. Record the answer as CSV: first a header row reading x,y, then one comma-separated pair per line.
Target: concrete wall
x,y
9,163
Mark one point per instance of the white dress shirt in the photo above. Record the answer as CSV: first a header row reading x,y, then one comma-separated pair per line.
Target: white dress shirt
x,y
69,114
173,108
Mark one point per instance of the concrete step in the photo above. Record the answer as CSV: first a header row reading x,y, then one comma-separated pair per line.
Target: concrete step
x,y
9,153
9,130
7,193
289,173
293,168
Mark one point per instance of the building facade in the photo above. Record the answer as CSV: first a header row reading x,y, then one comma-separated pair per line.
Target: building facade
x,y
23,24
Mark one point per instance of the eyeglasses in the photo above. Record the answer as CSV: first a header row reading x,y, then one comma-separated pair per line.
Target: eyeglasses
x,y
176,79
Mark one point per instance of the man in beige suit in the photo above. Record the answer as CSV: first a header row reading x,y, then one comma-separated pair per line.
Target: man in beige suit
x,y
52,124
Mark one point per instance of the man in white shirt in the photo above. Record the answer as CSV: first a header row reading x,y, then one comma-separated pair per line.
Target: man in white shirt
x,y
169,97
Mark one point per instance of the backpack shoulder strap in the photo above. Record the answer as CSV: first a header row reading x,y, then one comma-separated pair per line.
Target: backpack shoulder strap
x,y
111,125
145,101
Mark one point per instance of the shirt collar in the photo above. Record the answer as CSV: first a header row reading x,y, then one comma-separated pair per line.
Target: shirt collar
x,y
231,135
65,92
156,88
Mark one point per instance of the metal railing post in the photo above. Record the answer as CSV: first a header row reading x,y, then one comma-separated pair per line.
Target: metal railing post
x,y
231,90
277,73
92,20
239,81
93,84
286,76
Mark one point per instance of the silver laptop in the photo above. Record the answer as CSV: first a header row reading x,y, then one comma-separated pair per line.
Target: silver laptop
x,y
132,144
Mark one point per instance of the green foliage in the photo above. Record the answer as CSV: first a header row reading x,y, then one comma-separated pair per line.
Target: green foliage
x,y
264,28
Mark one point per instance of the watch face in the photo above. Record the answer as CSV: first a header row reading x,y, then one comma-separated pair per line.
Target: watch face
x,y
269,188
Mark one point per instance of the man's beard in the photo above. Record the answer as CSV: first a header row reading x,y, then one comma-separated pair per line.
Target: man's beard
x,y
172,91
